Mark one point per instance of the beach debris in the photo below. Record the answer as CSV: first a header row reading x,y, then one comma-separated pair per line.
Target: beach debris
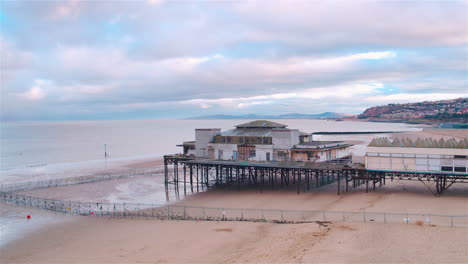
x,y
223,229
419,222
323,223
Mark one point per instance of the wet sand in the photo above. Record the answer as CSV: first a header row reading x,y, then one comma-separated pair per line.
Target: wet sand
x,y
101,240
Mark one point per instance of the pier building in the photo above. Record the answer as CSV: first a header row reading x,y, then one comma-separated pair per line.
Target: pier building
x,y
422,155
263,140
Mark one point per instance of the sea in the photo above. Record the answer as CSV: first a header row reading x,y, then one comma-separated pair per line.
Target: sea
x,y
32,151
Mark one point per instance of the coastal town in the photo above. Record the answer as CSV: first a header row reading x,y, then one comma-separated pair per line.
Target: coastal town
x,y
444,110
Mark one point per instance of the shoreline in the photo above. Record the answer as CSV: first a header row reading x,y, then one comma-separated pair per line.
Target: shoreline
x,y
97,240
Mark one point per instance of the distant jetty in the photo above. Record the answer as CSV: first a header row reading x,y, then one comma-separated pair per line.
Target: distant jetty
x,y
354,132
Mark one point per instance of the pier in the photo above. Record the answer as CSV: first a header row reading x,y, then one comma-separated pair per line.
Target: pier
x,y
204,173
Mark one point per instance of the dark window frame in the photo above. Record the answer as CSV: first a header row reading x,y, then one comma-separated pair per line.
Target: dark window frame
x,y
446,168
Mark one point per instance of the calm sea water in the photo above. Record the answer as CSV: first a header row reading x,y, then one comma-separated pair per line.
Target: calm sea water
x,y
33,146
36,150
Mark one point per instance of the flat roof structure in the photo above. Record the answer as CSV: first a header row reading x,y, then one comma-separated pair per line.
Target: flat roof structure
x,y
261,124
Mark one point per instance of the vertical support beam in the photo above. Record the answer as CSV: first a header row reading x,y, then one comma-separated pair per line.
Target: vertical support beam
x,y
346,178
198,179
282,176
298,173
373,181
191,176
238,178
166,171
207,175
185,180
339,181
262,175
367,181
176,170
317,178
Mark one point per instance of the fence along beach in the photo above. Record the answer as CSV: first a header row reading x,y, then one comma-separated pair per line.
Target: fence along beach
x,y
202,213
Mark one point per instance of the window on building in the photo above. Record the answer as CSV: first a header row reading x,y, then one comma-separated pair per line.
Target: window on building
x,y
252,154
228,139
460,169
268,156
241,140
446,168
223,139
265,140
220,154
460,157
246,140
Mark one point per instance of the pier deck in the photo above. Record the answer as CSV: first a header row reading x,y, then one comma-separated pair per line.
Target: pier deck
x,y
203,172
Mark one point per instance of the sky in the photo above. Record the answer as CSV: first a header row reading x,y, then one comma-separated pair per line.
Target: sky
x,y
163,59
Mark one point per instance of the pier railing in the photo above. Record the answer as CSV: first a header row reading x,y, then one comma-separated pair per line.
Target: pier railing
x,y
57,182
183,212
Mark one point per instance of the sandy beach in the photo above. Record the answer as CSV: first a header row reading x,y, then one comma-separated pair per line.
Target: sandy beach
x,y
77,239
101,240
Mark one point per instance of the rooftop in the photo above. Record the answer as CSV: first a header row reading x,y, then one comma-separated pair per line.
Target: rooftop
x,y
261,124
420,143
322,145
247,132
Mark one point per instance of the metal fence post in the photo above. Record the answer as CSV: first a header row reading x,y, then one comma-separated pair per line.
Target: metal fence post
x,y
407,218
452,222
385,218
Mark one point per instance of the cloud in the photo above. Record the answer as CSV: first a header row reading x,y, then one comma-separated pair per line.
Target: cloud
x,y
260,56
35,93
66,9
343,91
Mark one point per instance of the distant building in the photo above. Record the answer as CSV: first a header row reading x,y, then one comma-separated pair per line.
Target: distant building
x,y
263,140
422,155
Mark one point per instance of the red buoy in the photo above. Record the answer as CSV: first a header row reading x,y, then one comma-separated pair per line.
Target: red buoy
x,y
28,217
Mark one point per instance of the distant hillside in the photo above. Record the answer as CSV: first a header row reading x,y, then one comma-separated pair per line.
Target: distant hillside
x,y
284,116
444,110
